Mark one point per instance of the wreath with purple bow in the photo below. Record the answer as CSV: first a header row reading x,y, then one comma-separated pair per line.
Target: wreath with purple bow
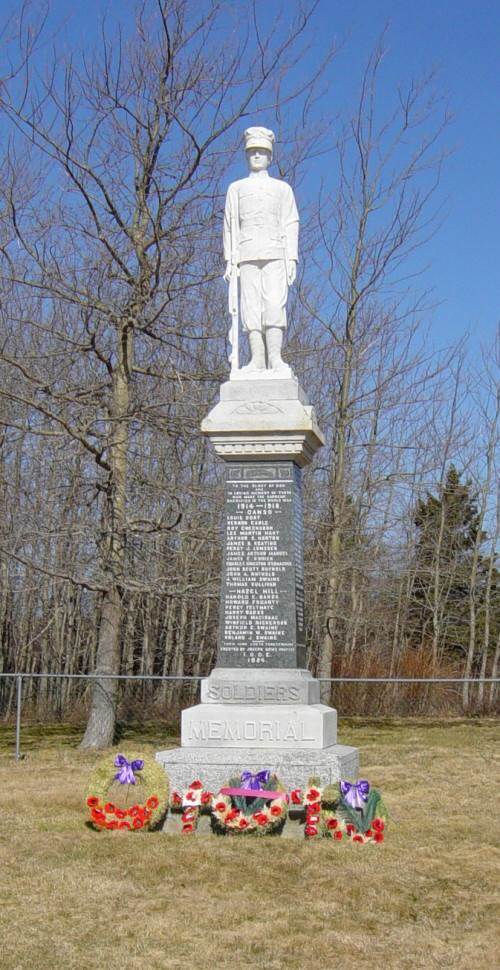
x,y
251,803
127,793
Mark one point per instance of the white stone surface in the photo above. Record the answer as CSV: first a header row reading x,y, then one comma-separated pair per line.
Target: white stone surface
x,y
214,766
260,238
259,726
261,390
249,374
263,420
240,685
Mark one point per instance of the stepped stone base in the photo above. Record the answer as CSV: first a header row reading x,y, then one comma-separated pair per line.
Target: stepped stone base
x,y
214,766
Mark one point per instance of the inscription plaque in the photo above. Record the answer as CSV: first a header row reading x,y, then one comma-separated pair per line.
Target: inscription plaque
x,y
262,604
248,730
253,694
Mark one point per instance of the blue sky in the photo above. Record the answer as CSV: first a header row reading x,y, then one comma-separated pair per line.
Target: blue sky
x,y
460,38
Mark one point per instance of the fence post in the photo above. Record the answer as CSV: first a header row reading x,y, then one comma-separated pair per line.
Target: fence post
x,y
19,698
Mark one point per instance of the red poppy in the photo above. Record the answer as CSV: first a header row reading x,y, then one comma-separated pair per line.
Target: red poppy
x,y
337,835
187,816
276,810
220,806
190,796
232,814
260,818
133,811
196,785
369,833
378,825
332,823
311,830
109,807
92,801
113,824
176,798
138,823
123,825
358,838
243,824
187,827
296,797
350,828
314,807
206,797
98,815
146,815
378,837
312,795
152,802
119,813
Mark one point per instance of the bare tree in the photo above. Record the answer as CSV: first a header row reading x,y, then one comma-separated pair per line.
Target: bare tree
x,y
111,190
483,591
369,229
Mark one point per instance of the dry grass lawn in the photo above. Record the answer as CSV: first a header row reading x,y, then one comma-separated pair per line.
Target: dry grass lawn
x,y
72,898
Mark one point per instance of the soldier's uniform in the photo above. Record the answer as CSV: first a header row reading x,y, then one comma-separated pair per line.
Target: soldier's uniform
x,y
261,227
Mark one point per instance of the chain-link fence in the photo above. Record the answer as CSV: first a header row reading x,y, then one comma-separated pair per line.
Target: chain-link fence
x,y
156,690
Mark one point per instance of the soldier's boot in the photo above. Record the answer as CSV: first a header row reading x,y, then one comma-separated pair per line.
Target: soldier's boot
x,y
274,342
257,351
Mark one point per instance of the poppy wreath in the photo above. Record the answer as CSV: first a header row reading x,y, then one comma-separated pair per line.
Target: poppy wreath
x,y
362,810
127,792
191,803
245,813
351,811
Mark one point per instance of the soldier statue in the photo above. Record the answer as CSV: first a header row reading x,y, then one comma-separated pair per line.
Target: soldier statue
x,y
261,228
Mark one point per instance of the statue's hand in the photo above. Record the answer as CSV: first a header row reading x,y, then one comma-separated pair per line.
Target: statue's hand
x,y
292,272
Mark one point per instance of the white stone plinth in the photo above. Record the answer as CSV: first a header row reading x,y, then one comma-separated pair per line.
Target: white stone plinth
x,y
261,420
259,726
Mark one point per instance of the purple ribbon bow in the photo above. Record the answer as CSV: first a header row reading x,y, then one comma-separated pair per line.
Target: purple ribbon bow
x,y
126,773
355,794
254,781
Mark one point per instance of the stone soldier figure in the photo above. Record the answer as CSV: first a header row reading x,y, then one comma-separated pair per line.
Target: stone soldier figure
x,y
261,228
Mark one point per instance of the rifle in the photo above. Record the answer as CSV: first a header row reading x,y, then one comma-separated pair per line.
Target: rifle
x,y
233,299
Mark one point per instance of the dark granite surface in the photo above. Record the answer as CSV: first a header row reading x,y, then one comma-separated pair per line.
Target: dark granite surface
x,y
262,603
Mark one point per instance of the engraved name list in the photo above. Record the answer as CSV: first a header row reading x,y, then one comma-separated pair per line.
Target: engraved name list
x,y
262,609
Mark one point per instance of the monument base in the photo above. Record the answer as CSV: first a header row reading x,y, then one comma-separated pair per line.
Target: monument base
x,y
294,767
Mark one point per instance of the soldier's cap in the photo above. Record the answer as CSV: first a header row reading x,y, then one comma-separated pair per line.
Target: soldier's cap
x,y
259,138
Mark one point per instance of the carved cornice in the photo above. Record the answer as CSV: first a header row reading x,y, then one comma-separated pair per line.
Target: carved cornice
x,y
299,448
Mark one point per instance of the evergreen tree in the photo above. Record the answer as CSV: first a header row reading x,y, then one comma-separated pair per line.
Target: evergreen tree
x,y
447,532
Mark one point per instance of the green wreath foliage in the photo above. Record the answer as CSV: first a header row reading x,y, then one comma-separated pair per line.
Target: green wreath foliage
x,y
362,821
137,807
247,804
